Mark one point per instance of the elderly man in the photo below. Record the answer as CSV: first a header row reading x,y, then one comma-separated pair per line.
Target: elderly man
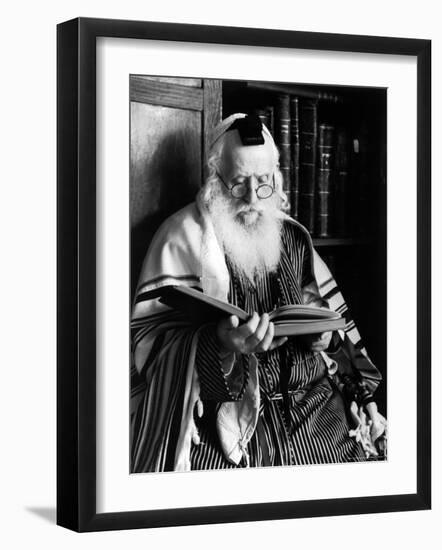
x,y
232,395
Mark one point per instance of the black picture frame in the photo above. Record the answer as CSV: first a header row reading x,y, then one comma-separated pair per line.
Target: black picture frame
x,y
76,274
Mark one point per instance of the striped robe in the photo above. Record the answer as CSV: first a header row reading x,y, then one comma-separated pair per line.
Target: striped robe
x,y
166,391
311,427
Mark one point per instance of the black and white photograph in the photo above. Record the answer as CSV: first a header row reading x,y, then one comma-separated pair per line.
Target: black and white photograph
x,y
258,274
220,221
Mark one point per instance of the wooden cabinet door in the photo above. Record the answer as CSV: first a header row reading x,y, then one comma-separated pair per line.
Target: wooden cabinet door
x,y
170,120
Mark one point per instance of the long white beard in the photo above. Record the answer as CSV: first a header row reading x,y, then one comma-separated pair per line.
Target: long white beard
x,y
251,240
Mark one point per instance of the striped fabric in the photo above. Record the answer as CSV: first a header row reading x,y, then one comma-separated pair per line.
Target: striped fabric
x,y
165,388
157,394
312,428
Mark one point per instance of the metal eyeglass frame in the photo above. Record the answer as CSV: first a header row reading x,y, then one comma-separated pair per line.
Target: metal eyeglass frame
x,y
257,190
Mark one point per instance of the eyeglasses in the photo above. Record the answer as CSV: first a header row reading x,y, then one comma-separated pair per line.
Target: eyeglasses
x,y
239,190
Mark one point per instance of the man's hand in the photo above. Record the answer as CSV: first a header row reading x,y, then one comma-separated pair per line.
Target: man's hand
x,y
317,342
255,336
378,423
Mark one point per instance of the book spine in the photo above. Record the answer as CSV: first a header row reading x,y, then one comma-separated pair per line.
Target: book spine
x,y
282,139
295,148
340,187
266,115
271,118
263,115
308,114
361,178
324,180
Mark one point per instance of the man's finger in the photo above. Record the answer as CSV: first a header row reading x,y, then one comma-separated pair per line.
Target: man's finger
x,y
278,342
261,329
255,339
233,322
267,340
229,323
247,329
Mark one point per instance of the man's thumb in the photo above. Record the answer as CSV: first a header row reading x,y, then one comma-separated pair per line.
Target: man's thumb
x,y
233,322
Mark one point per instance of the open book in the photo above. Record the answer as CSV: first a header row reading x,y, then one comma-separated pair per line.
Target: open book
x,y
290,320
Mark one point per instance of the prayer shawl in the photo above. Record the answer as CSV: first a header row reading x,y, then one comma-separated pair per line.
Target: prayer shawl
x,y
185,251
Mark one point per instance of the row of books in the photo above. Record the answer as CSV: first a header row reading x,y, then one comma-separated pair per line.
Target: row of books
x,y
315,159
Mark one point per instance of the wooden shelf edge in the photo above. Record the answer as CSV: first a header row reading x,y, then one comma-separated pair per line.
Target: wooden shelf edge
x,y
340,241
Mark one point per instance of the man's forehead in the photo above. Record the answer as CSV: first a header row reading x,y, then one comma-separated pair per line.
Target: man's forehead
x,y
238,156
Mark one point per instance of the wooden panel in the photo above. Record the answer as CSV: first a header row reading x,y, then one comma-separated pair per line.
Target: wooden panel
x,y
165,94
192,82
212,111
165,169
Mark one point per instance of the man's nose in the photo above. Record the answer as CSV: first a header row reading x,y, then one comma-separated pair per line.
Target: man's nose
x,y
251,197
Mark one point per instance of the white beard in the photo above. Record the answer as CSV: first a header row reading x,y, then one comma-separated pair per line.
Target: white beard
x,y
250,236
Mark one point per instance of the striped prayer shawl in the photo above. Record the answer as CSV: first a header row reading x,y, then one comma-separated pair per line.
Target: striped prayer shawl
x,y
185,251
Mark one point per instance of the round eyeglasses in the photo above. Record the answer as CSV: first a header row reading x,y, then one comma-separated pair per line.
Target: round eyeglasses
x,y
239,190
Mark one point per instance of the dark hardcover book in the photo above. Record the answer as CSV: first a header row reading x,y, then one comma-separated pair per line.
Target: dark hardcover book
x,y
324,175
341,208
295,148
289,320
263,114
308,115
282,139
360,183
266,115
270,112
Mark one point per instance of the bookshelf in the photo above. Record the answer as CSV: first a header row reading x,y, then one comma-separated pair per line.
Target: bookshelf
x,y
171,119
345,129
